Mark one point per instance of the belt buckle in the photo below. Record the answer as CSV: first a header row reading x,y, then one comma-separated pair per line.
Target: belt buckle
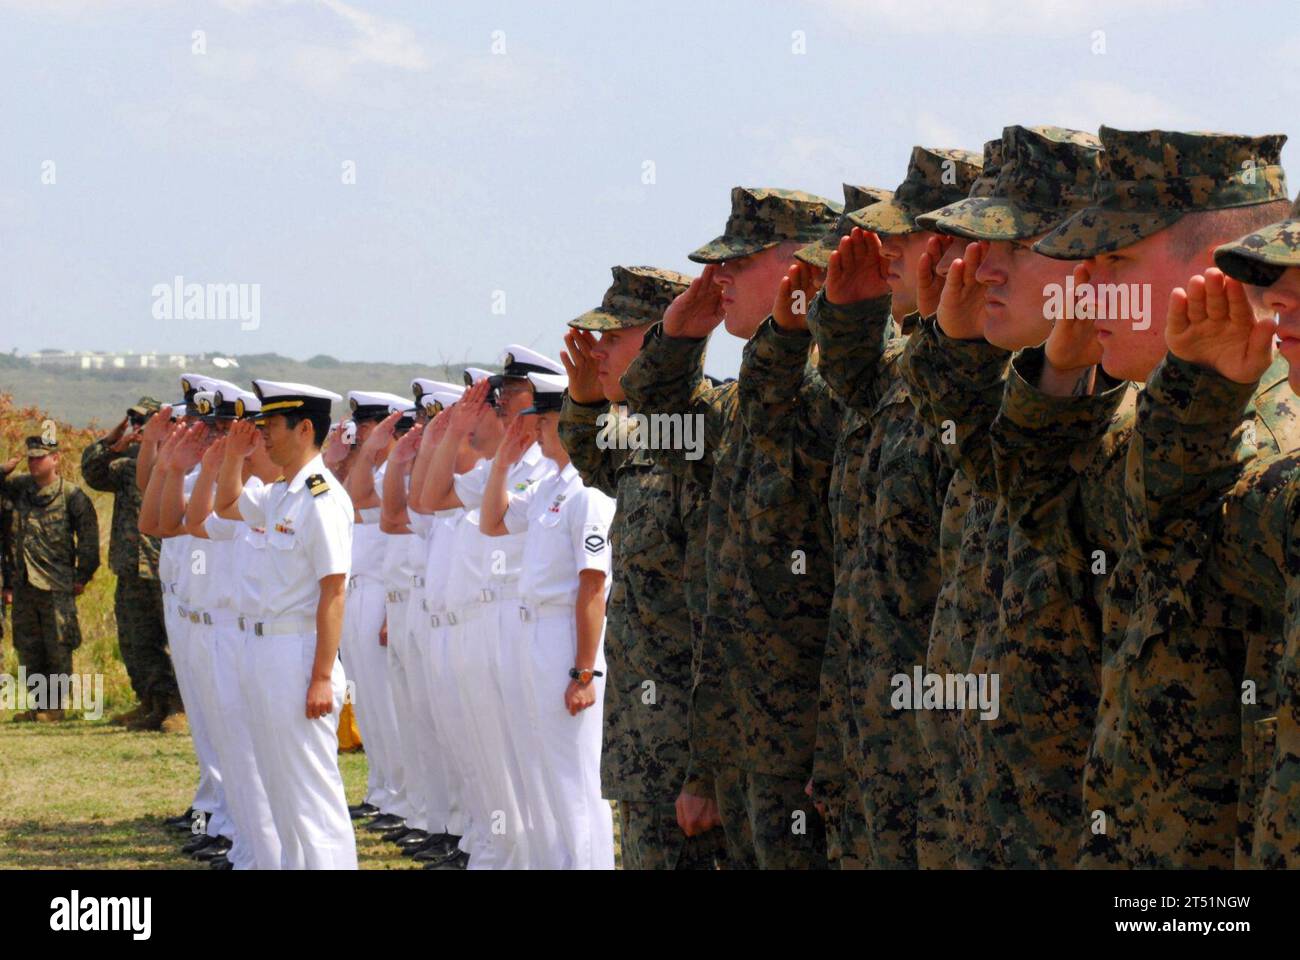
x,y
486,595
417,580
257,628
434,621
524,616
194,616
451,619
207,618
242,622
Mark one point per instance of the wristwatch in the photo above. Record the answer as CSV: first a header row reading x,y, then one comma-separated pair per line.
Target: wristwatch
x,y
583,676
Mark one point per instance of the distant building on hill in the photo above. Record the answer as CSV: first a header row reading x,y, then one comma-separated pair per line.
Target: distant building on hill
x,y
100,360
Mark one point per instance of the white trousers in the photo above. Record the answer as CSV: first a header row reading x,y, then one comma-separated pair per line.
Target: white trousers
x,y
366,664
498,836
567,761
450,725
403,673
257,845
296,757
208,795
434,778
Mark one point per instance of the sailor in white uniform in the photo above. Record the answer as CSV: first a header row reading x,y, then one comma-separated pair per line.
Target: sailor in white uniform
x,y
365,653
231,548
297,681
562,591
428,546
481,599
168,490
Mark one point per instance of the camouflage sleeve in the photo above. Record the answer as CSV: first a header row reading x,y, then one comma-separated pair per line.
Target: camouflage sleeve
x,y
829,773
1041,444
95,461
851,340
578,432
957,386
782,399
667,376
85,527
1193,437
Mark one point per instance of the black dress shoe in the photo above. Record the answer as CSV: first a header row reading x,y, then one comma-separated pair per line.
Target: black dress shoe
x,y
457,861
219,849
182,822
360,810
435,848
221,862
397,833
198,843
385,821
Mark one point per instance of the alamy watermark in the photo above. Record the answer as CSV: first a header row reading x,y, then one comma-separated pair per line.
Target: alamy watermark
x,y
179,300
39,691
946,691
656,431
1098,301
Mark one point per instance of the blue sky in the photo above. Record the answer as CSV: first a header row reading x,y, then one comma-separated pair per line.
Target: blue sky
x,y
518,171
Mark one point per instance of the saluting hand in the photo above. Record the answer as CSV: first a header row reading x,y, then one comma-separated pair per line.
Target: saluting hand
x,y
697,310
857,269
1072,344
581,366
155,428
8,466
1211,323
520,435
241,439
335,450
373,449
961,306
403,451
799,285
212,456
466,411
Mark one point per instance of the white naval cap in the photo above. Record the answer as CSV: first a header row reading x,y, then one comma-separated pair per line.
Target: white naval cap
x,y
548,392
439,399
372,404
422,385
218,400
473,375
278,397
519,361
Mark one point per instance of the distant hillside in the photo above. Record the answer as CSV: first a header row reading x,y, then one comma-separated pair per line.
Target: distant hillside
x,y
81,396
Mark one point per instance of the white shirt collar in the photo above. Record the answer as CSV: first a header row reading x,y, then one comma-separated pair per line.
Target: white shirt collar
x,y
314,465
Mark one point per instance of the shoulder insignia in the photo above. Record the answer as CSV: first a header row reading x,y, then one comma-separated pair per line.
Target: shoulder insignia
x,y
317,484
594,543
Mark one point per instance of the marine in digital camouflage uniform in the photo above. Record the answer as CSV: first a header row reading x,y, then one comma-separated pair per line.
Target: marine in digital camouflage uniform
x,y
56,552
1008,610
1241,513
832,784
133,558
648,633
902,481
768,555
1162,785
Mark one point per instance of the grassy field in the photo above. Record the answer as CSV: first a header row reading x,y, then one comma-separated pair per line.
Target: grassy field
x,y
80,795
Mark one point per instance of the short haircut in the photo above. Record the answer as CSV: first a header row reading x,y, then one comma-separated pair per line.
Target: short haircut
x,y
1209,228
320,424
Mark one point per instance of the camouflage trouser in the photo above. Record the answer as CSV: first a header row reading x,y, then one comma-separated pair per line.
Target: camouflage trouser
x,y
846,831
46,630
142,638
652,840
770,823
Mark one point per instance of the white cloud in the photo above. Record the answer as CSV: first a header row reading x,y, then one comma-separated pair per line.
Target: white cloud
x,y
1040,17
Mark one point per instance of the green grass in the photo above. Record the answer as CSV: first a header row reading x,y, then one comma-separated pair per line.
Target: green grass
x,y
81,795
